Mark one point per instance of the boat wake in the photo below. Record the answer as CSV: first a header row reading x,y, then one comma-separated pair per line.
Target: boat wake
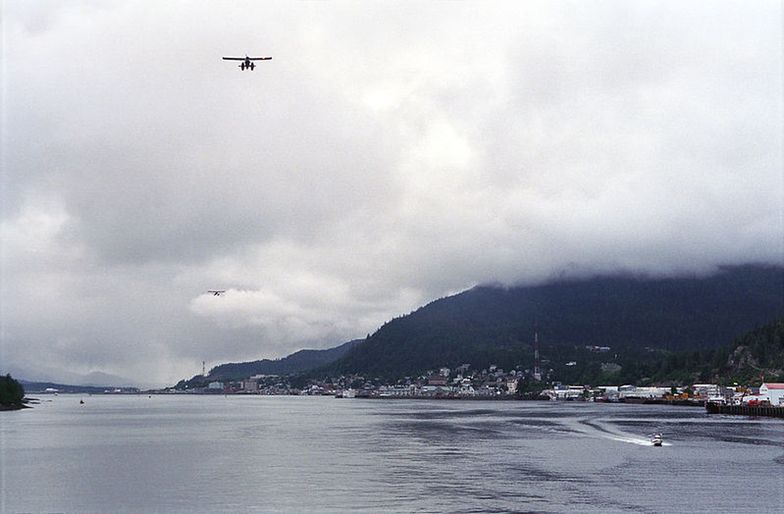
x,y
593,428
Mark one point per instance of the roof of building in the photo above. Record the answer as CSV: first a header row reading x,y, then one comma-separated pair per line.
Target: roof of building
x,y
774,385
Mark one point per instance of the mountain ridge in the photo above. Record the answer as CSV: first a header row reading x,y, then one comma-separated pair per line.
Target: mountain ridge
x,y
492,324
495,325
297,362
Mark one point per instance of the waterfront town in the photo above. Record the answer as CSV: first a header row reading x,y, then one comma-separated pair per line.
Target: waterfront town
x,y
494,383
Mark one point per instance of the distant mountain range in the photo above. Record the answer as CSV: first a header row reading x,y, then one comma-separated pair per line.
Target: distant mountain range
x,y
96,379
298,362
486,325
32,387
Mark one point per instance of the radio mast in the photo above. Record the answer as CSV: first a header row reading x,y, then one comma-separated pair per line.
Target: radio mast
x,y
537,363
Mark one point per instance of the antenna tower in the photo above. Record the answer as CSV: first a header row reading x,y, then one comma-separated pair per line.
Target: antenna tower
x,y
537,363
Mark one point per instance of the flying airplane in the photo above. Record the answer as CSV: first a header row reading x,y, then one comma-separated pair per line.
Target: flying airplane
x,y
247,62
216,292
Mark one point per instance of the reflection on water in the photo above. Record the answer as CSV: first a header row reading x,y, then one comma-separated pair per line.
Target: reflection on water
x,y
211,454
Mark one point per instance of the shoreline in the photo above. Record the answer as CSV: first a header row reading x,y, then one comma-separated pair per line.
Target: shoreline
x,y
13,407
544,399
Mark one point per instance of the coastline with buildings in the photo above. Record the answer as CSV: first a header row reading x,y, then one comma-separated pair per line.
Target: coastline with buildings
x,y
494,383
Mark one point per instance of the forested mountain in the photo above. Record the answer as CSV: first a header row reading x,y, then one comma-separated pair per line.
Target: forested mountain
x,y
631,314
754,357
750,359
297,362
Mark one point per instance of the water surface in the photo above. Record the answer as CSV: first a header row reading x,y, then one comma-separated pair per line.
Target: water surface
x,y
255,453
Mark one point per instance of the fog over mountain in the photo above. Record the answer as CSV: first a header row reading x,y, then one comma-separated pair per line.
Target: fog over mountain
x,y
388,154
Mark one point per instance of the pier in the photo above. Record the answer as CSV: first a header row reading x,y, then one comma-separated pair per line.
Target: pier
x,y
745,410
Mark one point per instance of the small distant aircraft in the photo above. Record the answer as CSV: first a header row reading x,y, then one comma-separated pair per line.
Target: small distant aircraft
x,y
247,62
216,292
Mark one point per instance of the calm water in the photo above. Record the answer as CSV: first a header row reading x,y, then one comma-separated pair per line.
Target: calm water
x,y
240,454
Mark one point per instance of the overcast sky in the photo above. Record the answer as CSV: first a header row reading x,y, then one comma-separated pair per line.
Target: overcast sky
x,y
391,153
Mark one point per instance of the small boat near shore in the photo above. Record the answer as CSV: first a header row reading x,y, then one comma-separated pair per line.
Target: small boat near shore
x,y
657,439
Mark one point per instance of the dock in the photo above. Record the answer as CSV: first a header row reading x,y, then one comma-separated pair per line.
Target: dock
x,y
745,410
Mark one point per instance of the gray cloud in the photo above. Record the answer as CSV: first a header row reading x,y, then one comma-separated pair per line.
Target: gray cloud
x,y
388,154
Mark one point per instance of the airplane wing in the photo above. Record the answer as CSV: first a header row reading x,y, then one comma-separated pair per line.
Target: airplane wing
x,y
233,58
259,58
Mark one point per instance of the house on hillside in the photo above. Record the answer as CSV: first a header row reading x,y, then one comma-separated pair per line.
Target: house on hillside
x,y
774,392
436,380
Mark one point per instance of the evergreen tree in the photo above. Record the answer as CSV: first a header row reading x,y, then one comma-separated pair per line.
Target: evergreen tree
x,y
11,391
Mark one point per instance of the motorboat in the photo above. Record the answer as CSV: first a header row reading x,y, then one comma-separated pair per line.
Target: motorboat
x,y
657,439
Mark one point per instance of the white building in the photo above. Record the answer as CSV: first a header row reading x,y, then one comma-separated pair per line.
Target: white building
x,y
561,392
706,390
774,392
652,393
397,390
610,392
